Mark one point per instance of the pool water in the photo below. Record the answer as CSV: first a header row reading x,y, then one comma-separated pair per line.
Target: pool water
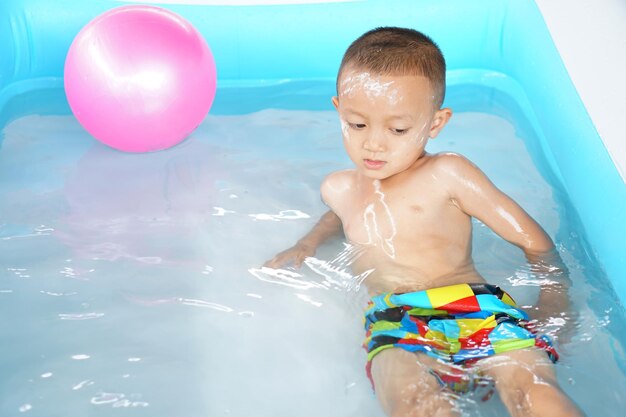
x,y
131,284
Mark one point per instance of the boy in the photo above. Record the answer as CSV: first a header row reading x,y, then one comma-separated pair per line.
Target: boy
x,y
432,321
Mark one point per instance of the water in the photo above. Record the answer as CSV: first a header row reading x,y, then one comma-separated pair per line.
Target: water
x,y
132,284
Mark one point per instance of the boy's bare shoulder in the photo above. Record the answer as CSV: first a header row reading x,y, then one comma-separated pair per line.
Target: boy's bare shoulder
x,y
338,181
450,161
454,172
452,165
336,184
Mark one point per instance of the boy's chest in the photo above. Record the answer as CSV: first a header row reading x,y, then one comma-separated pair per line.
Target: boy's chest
x,y
371,216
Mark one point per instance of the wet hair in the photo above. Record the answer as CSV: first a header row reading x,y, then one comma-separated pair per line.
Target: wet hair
x,y
398,51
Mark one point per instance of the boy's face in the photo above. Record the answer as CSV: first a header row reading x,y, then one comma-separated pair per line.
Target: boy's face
x,y
386,120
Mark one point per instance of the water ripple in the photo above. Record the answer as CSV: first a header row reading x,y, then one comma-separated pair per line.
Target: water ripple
x,y
82,384
85,316
12,231
284,277
282,215
206,304
116,400
181,300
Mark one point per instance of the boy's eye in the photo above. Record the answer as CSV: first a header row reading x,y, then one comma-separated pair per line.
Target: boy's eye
x,y
357,126
399,131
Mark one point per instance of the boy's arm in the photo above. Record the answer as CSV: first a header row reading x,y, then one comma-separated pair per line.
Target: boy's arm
x,y
477,196
329,225
333,190
472,192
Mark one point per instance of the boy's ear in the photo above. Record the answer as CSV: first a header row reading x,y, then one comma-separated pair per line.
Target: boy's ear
x,y
335,101
440,119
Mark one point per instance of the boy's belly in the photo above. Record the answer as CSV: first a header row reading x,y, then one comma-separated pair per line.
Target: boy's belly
x,y
388,275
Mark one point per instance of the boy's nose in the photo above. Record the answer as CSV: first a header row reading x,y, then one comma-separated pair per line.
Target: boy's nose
x,y
373,143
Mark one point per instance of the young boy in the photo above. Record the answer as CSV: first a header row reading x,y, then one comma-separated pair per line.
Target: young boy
x,y
433,322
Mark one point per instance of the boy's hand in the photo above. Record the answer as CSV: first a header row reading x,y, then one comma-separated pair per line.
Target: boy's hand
x,y
294,255
561,326
329,225
553,314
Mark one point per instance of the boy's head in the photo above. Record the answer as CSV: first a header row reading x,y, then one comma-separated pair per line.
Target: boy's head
x,y
398,52
390,90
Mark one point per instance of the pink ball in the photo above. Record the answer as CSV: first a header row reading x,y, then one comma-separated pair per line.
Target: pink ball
x,y
139,78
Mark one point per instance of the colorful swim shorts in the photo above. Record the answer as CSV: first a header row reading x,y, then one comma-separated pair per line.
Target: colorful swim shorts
x,y
458,324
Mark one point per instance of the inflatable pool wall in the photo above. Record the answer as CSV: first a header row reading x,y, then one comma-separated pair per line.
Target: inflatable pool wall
x,y
501,43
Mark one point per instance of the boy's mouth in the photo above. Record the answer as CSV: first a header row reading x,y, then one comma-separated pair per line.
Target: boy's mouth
x,y
373,164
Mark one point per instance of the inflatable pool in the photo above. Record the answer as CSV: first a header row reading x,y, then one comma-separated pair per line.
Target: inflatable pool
x,y
505,44
285,57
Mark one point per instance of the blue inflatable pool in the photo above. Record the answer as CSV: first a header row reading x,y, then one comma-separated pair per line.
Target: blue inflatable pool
x,y
504,44
75,290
